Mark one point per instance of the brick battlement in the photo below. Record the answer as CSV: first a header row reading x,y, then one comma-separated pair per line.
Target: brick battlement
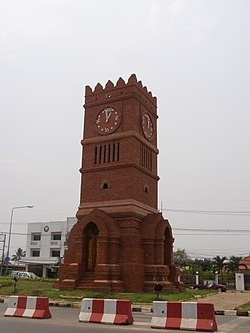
x,y
110,90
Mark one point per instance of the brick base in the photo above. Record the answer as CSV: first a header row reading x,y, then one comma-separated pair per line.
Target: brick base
x,y
123,255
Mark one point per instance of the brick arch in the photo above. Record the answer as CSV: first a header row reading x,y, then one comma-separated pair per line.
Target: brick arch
x,y
108,238
162,227
155,224
157,240
108,226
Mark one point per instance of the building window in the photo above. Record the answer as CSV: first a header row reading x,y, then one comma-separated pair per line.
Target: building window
x,y
146,158
107,153
105,186
36,237
95,159
56,236
35,253
55,253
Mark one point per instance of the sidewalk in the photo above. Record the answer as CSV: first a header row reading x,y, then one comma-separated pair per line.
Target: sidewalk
x,y
228,300
224,302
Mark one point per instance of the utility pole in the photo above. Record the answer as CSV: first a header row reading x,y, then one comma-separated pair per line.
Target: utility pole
x,y
2,240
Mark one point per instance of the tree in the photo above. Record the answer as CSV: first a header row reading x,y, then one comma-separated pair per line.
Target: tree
x,y
181,257
219,263
18,255
234,264
206,265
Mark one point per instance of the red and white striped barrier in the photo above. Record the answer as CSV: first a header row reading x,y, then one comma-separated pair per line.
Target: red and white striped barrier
x,y
28,307
106,311
184,316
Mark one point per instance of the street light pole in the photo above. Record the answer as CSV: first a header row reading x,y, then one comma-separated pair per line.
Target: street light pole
x,y
11,220
2,239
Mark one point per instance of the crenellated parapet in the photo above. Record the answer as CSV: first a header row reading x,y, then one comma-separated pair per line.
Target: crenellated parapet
x,y
111,90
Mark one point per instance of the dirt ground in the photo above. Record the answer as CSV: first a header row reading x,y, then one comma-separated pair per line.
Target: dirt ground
x,y
228,300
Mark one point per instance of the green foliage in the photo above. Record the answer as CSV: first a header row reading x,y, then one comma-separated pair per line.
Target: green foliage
x,y
47,289
244,307
18,255
206,265
234,264
181,257
6,283
219,263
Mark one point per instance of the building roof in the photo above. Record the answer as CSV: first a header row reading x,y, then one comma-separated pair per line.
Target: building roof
x,y
245,262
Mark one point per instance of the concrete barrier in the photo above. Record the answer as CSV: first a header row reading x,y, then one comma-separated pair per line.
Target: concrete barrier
x,y
106,311
28,307
184,315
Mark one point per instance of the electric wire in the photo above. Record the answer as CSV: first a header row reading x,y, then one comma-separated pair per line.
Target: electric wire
x,y
208,212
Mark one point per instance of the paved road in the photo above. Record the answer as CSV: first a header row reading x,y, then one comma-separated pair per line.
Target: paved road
x,y
65,320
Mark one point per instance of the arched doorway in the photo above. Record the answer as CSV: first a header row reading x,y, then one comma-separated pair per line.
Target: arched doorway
x,y
91,246
168,248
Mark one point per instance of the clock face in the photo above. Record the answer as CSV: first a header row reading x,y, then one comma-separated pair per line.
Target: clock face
x,y
147,126
107,120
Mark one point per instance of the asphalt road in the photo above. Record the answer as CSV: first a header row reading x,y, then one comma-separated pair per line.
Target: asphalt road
x,y
65,320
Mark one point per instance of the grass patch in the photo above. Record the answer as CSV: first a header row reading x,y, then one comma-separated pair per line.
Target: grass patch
x,y
25,287
244,307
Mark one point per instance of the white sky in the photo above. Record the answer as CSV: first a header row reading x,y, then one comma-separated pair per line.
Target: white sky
x,y
194,55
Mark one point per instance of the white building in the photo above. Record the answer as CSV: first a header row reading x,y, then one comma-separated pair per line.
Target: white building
x,y
46,242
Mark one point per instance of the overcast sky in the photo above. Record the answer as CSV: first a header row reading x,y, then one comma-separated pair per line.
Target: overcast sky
x,y
194,55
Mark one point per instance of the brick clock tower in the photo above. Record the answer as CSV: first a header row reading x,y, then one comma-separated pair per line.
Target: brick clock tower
x,y
120,241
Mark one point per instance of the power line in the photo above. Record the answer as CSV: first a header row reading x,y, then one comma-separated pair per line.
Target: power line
x,y
212,230
221,231
231,234
209,212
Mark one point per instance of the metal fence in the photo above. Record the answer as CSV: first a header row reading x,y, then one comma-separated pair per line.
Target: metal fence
x,y
227,279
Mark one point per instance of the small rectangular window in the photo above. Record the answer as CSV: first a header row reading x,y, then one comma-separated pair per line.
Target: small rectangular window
x,y
36,237
55,253
56,236
35,253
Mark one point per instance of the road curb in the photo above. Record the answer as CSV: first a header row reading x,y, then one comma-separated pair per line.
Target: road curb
x,y
150,310
65,305
232,313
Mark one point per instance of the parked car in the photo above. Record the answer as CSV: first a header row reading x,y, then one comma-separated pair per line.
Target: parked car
x,y
211,285
219,287
21,274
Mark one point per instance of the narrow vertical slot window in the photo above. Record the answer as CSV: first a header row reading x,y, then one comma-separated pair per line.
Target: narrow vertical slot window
x,y
95,157
109,153
113,152
118,152
100,154
104,154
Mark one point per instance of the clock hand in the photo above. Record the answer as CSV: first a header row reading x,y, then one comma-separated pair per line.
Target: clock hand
x,y
108,115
